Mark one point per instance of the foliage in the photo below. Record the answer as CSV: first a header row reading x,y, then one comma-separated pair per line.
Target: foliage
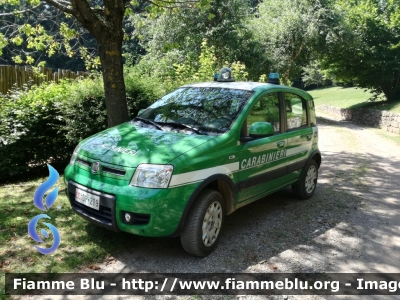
x,y
44,124
178,37
38,37
29,124
288,30
3,42
141,91
365,46
202,69
83,109
313,75
104,20
172,71
239,71
196,71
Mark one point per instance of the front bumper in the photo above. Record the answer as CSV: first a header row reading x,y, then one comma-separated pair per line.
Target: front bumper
x,y
104,217
159,211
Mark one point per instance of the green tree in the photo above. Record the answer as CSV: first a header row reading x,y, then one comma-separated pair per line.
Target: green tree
x,y
35,38
104,20
312,75
288,30
177,38
365,46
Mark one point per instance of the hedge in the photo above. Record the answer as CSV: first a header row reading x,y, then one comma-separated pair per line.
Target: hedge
x,y
44,124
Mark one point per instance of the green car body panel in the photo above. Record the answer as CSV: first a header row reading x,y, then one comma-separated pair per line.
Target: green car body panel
x,y
241,170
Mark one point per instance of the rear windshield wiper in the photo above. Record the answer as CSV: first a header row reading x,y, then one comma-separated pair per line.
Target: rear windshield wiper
x,y
150,122
186,126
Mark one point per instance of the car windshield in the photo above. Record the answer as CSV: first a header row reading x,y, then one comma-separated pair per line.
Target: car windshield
x,y
203,110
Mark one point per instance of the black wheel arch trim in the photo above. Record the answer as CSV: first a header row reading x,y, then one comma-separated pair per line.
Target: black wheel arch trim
x,y
310,158
316,151
307,161
194,195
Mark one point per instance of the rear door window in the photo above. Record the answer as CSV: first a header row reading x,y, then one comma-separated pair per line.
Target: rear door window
x,y
296,111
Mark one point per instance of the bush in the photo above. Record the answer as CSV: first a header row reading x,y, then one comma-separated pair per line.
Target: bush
x,y
30,123
44,124
141,90
84,110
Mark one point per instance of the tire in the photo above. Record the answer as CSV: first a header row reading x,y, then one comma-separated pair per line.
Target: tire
x,y
204,223
305,187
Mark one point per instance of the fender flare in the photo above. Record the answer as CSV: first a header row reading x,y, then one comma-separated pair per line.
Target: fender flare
x,y
316,151
309,159
194,195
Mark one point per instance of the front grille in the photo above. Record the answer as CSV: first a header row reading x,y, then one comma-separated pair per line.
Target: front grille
x,y
113,171
83,162
105,216
104,169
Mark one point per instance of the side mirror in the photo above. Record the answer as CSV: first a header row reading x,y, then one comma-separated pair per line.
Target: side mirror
x,y
261,129
140,111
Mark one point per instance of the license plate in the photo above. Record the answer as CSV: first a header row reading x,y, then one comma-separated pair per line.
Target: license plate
x,y
87,199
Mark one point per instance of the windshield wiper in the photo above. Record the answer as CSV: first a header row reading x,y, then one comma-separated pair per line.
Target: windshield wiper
x,y
186,126
209,129
150,122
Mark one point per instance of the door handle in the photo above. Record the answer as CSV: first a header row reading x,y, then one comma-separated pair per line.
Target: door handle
x,y
280,144
309,136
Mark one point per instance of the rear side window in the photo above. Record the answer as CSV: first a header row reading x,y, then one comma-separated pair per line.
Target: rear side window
x,y
296,111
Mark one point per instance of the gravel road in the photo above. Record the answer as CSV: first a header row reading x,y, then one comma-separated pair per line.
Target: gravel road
x,y
351,224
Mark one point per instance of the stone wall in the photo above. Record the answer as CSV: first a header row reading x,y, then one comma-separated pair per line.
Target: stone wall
x,y
294,122
376,118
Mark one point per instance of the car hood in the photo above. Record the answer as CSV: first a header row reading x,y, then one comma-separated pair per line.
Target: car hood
x,y
128,145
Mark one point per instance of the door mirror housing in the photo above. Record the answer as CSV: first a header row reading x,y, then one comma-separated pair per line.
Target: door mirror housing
x,y
261,129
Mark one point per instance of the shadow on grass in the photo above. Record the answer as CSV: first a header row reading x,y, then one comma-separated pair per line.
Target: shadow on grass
x,y
34,173
378,105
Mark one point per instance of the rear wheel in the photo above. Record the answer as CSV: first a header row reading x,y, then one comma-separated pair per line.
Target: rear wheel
x,y
203,225
306,185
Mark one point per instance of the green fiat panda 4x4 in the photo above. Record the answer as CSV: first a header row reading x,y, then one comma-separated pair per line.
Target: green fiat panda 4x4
x,y
195,156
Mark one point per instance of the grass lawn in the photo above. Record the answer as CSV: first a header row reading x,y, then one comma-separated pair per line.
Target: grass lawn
x,y
82,244
350,98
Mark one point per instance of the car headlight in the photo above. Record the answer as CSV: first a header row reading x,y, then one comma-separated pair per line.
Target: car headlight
x,y
152,176
74,155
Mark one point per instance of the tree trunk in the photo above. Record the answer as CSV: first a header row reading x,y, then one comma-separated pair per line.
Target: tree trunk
x,y
107,30
110,51
286,76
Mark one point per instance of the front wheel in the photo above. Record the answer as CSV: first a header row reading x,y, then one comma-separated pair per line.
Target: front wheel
x,y
203,225
306,185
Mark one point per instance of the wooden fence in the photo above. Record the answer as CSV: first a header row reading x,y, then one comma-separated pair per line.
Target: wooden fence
x,y
18,76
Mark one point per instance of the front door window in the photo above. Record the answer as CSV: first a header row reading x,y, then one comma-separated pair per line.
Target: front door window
x,y
266,110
